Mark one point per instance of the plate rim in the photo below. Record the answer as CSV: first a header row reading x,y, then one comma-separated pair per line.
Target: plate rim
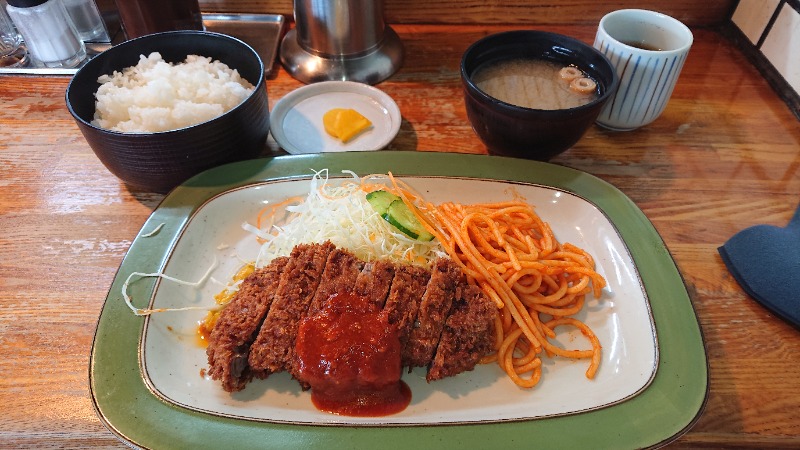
x,y
285,104
127,408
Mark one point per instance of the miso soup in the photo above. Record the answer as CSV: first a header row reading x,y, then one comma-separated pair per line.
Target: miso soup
x,y
536,84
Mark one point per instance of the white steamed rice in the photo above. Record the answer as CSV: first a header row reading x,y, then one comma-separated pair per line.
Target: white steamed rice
x,y
157,96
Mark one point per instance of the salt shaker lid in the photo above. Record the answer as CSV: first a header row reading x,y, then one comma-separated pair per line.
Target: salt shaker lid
x,y
25,3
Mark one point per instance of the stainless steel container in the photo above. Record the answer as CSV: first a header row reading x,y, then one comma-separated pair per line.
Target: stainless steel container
x,y
341,40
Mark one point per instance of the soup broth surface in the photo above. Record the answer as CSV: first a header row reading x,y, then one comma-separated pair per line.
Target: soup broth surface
x,y
531,83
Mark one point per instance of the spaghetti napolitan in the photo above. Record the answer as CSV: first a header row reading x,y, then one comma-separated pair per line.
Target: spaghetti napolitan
x,y
537,283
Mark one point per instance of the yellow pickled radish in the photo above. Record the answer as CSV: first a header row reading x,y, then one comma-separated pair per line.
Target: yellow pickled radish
x,y
329,120
345,124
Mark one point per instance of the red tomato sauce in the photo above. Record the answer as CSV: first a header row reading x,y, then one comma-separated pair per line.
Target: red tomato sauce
x,y
350,355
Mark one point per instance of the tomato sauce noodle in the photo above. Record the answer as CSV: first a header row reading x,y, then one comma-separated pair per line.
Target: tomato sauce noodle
x,y
349,354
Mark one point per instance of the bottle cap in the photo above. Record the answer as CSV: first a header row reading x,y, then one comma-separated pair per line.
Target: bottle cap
x,y
25,3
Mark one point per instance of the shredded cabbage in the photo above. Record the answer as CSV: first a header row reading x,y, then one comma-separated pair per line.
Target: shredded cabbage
x,y
341,214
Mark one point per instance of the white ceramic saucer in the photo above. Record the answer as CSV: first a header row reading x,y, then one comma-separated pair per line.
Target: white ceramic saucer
x,y
296,120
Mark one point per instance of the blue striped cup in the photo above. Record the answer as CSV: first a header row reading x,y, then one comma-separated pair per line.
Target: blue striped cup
x,y
648,50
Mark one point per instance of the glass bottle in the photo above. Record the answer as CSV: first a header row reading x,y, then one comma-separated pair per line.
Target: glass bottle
x,y
12,52
87,20
48,32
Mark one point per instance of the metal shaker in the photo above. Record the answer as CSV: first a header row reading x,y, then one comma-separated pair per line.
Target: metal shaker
x,y
344,40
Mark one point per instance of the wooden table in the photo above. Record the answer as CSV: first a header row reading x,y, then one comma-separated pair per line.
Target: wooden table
x,y
724,156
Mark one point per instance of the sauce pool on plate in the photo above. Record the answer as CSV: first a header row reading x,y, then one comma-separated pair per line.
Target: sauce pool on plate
x,y
349,354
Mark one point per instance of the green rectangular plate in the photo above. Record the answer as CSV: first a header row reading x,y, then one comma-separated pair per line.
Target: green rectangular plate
x,y
663,411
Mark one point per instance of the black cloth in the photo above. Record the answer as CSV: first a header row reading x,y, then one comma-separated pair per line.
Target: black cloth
x,y
765,261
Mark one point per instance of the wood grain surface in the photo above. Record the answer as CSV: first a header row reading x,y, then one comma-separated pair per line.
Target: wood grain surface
x,y
520,12
725,155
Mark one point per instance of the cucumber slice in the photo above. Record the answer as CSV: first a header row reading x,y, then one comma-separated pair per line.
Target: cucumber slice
x,y
380,201
399,215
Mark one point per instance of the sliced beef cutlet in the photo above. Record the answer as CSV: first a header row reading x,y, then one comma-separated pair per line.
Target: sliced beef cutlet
x,y
433,311
273,349
402,303
443,323
341,270
340,273
238,325
375,280
468,334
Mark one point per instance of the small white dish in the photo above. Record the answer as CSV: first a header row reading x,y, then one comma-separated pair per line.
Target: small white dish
x,y
296,120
